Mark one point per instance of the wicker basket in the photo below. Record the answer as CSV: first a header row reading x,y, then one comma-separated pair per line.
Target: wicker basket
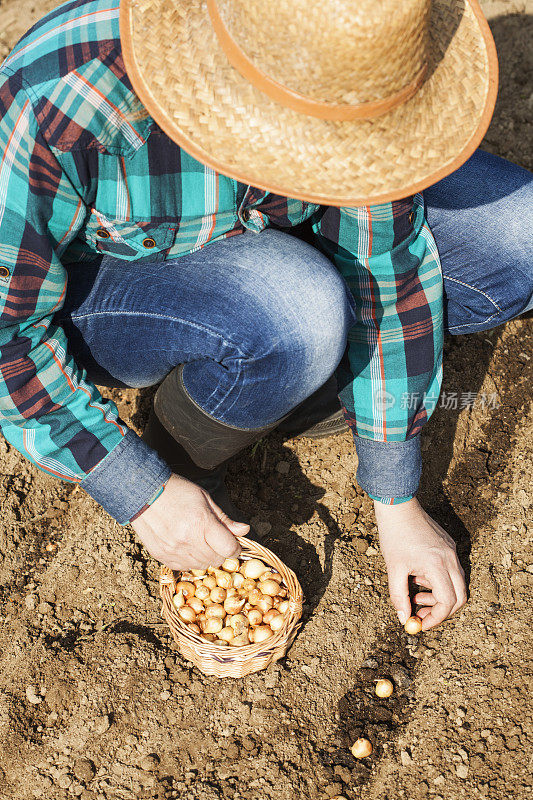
x,y
235,662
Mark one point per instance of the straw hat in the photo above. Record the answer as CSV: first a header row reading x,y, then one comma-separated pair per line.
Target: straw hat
x,y
338,102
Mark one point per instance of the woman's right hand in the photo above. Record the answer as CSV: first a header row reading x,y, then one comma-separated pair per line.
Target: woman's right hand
x,y
184,529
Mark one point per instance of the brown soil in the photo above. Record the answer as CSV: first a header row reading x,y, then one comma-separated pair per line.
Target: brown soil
x,y
96,703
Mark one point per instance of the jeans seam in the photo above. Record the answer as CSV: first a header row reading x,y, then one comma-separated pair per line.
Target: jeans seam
x,y
473,324
475,289
227,343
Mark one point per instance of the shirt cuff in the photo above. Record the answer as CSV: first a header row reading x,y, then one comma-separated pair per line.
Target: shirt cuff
x,y
389,470
149,503
128,479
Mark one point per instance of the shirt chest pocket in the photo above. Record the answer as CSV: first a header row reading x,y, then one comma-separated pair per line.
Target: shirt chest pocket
x,y
129,240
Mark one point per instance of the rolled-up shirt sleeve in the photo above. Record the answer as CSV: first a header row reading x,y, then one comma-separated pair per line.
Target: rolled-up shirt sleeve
x,y
49,410
390,377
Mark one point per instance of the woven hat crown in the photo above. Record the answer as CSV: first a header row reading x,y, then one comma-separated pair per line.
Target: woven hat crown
x,y
337,102
343,52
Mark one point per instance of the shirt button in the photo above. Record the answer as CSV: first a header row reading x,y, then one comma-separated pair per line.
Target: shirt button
x,y
149,243
103,234
4,272
245,215
411,218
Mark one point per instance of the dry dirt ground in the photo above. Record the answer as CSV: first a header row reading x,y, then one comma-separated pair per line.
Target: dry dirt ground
x,y
96,703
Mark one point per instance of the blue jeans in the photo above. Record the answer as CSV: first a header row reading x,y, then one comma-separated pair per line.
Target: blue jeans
x,y
261,320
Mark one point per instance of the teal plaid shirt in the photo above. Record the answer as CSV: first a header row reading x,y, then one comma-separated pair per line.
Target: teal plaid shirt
x,y
84,170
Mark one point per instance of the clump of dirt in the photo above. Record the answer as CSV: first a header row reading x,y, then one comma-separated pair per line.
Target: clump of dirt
x,y
95,701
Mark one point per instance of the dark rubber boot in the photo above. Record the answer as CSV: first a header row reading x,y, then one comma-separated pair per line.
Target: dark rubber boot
x,y
212,480
207,441
194,444
317,417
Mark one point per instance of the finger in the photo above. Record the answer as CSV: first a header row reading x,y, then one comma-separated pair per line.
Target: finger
x,y
197,553
201,558
221,540
237,528
421,580
423,612
424,599
459,585
444,593
399,592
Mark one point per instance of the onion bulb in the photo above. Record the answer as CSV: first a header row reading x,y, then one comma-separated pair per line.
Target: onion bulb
x,y
265,604
238,580
413,626
254,568
212,625
178,601
187,614
232,605
198,573
218,594
255,617
271,576
283,606
239,623
270,587
215,611
210,581
202,592
361,748
186,587
270,615
276,623
254,596
196,604
227,634
384,687
224,579
231,564
260,634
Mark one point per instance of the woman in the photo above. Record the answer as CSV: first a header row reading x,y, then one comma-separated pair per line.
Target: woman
x,y
129,217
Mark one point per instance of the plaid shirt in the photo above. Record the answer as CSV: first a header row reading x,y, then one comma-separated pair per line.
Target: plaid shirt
x,y
84,171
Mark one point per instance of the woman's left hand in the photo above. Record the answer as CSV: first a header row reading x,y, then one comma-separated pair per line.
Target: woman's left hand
x,y
414,544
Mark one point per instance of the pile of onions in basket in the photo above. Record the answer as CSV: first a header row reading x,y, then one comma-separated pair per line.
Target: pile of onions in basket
x,y
239,604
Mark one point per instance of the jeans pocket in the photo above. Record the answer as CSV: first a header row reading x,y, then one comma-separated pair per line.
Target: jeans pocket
x,y
468,309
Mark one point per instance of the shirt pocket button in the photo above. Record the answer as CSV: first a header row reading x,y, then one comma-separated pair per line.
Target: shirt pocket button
x,y
149,243
103,234
4,272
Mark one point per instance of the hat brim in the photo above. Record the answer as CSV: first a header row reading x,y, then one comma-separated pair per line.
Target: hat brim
x,y
184,80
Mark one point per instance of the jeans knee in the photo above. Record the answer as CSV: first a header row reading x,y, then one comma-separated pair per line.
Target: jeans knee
x,y
286,332
308,332
325,318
